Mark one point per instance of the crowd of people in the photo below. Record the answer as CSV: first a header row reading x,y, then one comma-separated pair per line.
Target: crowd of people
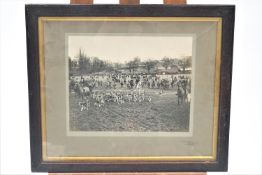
x,y
99,90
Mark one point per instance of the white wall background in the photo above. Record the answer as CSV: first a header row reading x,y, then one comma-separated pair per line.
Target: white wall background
x,y
245,153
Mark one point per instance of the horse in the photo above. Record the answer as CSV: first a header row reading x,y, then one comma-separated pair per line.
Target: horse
x,y
82,91
180,95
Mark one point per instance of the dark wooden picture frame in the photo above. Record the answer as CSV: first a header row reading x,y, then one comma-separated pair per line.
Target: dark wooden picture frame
x,y
34,12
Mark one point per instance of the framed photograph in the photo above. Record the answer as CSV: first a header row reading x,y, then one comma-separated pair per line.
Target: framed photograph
x,y
126,88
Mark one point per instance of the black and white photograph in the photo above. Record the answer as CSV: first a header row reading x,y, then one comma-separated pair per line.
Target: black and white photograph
x,y
129,83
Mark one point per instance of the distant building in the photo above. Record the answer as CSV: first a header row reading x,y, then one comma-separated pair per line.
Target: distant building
x,y
175,69
188,70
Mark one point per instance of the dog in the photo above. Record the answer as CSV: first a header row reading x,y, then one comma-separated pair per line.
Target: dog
x,y
149,99
84,106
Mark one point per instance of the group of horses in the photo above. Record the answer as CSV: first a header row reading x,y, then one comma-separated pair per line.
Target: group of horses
x,y
143,81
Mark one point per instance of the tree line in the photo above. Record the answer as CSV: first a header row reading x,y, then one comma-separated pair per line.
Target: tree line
x,y
87,65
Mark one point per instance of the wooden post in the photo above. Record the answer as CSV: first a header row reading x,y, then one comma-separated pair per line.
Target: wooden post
x,y
129,2
175,2
81,1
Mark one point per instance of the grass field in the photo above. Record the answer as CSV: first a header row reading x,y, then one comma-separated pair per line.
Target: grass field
x,y
162,114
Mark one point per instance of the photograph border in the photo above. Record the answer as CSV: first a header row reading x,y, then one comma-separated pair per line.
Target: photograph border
x,y
41,21
36,14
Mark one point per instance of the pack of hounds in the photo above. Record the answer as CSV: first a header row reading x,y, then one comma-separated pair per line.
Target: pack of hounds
x,y
100,99
98,91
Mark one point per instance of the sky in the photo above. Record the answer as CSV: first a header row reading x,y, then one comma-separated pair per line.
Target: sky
x,y
121,49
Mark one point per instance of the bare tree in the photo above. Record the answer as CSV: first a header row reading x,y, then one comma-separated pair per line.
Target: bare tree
x,y
70,64
117,66
83,62
150,64
130,66
186,62
166,62
134,64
